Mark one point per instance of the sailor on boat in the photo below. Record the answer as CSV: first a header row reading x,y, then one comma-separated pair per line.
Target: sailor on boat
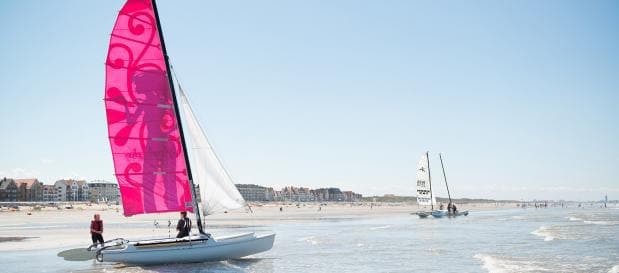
x,y
183,226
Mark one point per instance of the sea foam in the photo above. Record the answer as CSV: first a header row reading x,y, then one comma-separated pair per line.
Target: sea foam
x,y
495,264
609,223
543,232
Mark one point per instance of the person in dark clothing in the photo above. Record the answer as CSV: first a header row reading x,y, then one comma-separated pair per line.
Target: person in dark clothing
x,y
183,226
454,209
96,230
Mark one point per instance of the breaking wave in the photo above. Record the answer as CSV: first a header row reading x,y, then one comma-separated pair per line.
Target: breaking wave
x,y
544,232
609,223
311,239
495,264
381,227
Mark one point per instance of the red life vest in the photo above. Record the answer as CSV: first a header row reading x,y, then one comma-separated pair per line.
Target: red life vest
x,y
96,225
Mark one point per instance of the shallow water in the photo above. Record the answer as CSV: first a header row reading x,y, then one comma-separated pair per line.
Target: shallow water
x,y
516,240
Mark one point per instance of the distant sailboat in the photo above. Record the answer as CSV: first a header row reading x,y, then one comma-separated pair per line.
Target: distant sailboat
x,y
151,157
425,194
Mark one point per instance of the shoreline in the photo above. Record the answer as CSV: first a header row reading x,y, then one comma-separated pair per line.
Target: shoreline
x,y
50,227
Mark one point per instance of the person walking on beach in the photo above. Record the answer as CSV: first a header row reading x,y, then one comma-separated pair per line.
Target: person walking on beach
x,y
183,226
96,230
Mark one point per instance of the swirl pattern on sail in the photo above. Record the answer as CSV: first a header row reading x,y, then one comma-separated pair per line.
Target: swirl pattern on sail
x,y
143,129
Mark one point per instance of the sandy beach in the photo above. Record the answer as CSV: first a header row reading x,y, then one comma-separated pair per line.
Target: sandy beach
x,y
51,227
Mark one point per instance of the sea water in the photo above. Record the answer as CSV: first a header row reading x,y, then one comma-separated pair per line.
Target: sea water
x,y
514,240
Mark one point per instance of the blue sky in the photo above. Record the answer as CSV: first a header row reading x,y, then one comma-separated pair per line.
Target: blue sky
x,y
521,97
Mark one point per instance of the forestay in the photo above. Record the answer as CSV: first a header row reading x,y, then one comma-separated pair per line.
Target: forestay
x,y
217,190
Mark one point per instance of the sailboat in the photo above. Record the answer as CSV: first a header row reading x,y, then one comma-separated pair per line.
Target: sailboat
x,y
441,212
152,161
425,196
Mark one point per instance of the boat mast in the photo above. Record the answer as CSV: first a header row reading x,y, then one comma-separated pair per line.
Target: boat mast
x,y
430,181
444,176
196,208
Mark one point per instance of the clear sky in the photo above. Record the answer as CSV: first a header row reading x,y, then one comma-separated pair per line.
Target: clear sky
x,y
521,97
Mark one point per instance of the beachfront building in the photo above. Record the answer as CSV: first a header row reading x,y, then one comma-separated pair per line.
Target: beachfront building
x,y
72,190
300,194
29,190
251,192
329,194
8,190
350,196
49,193
101,190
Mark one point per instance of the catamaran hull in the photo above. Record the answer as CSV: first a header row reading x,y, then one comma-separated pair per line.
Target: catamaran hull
x,y
443,213
423,214
439,213
185,251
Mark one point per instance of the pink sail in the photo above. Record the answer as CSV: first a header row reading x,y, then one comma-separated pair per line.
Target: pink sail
x,y
143,129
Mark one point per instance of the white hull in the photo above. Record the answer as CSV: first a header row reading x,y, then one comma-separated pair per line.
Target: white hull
x,y
442,213
423,214
439,213
198,249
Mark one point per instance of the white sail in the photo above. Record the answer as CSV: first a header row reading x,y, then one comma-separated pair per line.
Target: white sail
x,y
217,191
424,190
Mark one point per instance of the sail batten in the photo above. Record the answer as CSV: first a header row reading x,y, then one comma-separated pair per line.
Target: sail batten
x,y
143,128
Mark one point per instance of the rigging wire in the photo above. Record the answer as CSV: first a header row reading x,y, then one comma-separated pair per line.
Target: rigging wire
x,y
247,205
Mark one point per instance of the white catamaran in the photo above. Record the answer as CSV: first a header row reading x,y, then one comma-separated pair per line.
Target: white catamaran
x,y
425,195
153,166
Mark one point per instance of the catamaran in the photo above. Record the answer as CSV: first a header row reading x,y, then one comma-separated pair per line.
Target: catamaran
x,y
151,157
425,195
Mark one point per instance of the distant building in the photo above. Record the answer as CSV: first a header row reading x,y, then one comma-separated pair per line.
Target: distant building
x,y
103,191
329,194
251,192
29,190
49,193
301,194
350,196
8,190
72,190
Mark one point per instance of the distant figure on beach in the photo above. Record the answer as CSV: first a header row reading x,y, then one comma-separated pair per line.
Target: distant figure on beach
x,y
453,208
449,207
319,208
442,207
281,209
183,226
96,230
